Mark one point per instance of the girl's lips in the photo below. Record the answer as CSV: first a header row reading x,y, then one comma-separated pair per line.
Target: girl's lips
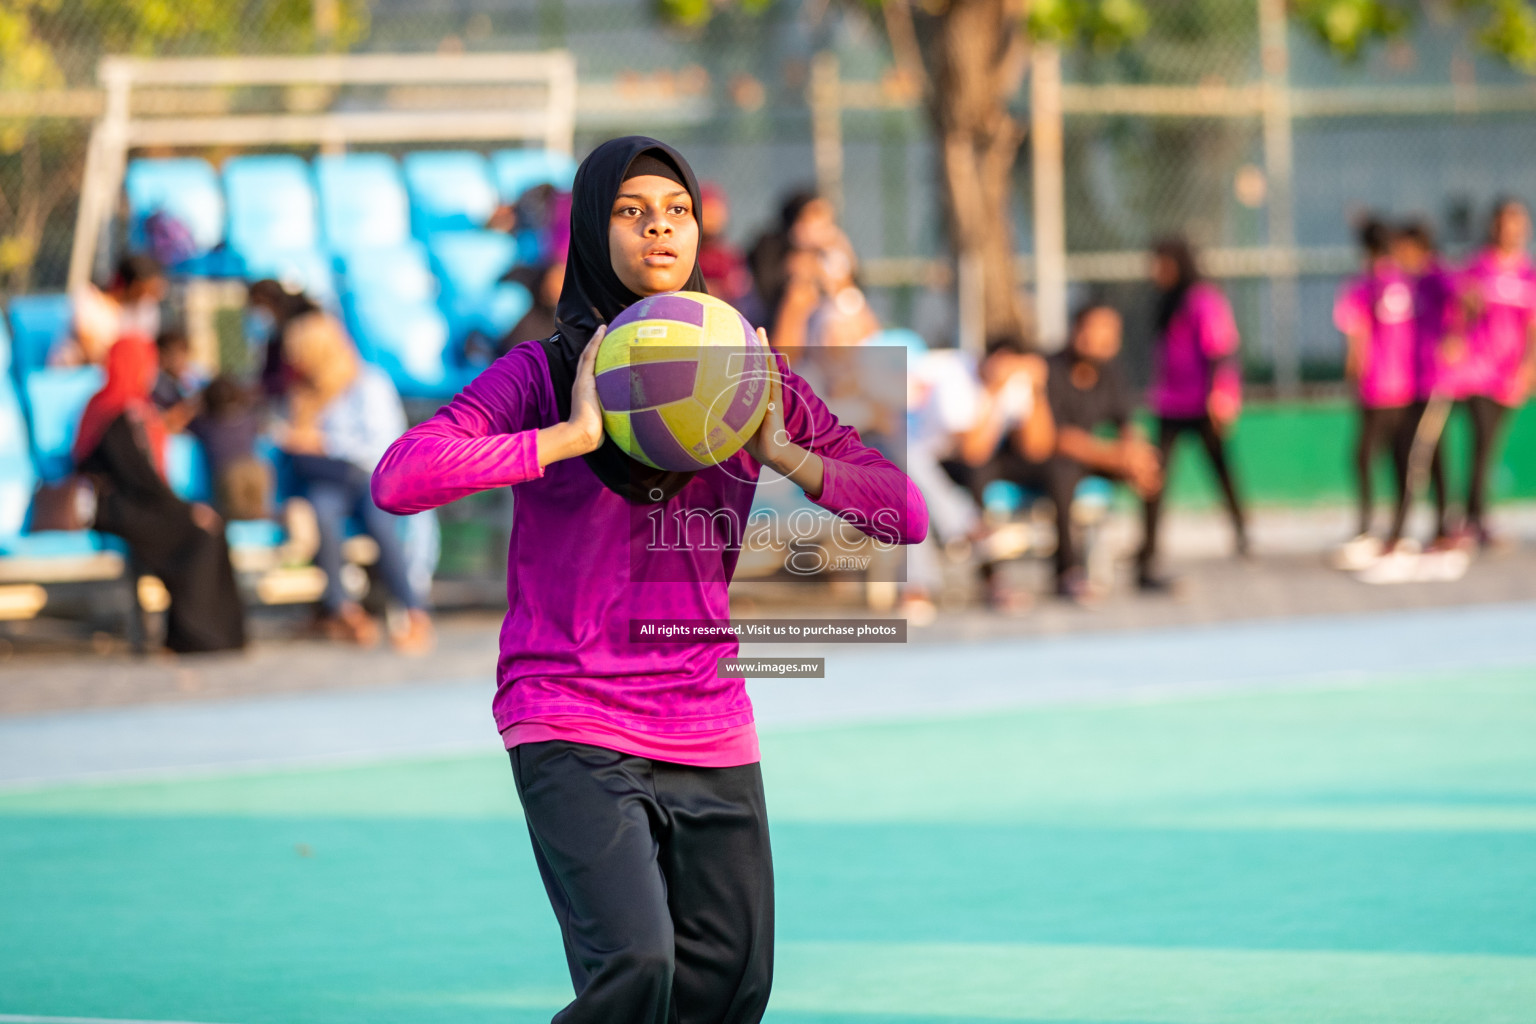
x,y
658,257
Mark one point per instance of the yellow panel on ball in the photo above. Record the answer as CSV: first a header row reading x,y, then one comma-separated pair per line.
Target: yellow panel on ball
x,y
668,359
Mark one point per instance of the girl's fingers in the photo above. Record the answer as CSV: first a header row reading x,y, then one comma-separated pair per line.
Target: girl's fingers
x,y
589,354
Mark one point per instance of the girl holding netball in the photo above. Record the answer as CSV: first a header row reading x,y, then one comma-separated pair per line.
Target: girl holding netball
x,y
636,766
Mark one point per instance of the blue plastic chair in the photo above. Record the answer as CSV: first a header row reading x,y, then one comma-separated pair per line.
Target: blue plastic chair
x,y
400,271
449,191
362,202
55,399
518,170
271,205
185,187
38,323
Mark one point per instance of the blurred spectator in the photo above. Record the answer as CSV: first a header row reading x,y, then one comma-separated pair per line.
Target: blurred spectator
x,y
175,392
130,305
807,227
1196,379
228,427
722,264
1376,316
343,414
1008,434
270,309
543,281
1439,354
121,447
1499,291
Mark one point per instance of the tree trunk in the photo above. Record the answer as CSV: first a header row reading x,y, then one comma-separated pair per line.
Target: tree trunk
x,y
978,53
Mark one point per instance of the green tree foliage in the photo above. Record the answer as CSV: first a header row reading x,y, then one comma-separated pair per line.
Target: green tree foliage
x,y
49,45
1503,28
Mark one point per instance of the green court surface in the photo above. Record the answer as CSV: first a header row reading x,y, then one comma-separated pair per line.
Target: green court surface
x,y
1307,855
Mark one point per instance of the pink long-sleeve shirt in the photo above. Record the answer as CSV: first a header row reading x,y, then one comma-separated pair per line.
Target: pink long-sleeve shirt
x,y
1194,359
1504,295
1379,306
583,563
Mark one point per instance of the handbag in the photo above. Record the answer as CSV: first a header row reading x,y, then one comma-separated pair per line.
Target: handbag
x,y
69,504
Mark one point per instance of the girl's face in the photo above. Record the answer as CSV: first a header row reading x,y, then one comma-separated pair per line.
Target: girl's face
x,y
1513,228
653,238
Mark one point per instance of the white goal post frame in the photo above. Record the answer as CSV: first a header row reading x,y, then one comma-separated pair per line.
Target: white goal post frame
x,y
119,130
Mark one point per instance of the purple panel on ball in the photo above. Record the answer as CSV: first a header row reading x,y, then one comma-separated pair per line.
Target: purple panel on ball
x,y
753,382
642,385
663,307
657,442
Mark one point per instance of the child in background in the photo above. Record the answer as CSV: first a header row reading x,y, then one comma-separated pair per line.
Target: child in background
x,y
1375,313
228,428
1498,289
175,390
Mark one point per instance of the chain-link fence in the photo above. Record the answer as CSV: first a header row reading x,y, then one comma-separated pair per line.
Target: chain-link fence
x,y
1178,132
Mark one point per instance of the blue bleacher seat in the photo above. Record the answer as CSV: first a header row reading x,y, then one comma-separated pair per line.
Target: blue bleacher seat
x,y
186,468
271,202
411,342
400,271
1004,498
38,323
5,345
449,191
307,269
518,170
17,475
56,398
469,266
185,187
18,479
362,201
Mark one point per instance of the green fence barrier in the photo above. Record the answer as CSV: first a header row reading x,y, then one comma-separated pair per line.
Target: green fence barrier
x,y
1302,454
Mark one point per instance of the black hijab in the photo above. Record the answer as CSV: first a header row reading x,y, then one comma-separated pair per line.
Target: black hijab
x,y
593,295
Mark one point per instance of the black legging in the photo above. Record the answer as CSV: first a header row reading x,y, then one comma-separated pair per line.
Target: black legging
x,y
1410,429
1168,433
1381,430
1487,417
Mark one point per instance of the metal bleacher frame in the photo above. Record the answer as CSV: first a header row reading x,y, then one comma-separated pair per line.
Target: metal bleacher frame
x,y
123,128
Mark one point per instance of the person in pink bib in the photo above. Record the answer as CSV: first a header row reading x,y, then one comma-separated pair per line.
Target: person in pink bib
x,y
1498,292
1375,313
635,761
1196,380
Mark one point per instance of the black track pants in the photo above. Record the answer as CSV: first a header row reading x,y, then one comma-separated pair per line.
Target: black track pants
x,y
661,878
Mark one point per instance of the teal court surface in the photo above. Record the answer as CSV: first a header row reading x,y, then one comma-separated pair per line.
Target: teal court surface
x,y
1301,822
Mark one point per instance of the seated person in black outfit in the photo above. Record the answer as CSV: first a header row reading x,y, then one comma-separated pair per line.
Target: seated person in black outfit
x,y
1086,391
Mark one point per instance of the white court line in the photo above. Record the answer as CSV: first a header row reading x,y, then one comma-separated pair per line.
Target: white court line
x,y
8,1018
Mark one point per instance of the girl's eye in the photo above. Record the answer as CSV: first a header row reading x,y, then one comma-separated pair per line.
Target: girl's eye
x,y
680,210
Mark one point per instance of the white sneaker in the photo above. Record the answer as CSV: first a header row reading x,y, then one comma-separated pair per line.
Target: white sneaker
x,y
1446,566
1357,553
1396,566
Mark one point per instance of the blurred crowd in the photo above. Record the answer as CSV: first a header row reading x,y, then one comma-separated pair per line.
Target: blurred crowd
x,y
986,437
